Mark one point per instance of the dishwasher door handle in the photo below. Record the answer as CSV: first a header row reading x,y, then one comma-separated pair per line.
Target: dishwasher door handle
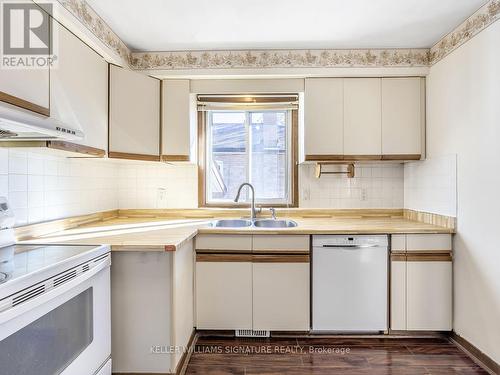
x,y
364,246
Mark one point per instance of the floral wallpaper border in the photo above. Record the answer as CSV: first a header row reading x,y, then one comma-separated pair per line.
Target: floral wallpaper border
x,y
258,59
92,21
279,59
485,16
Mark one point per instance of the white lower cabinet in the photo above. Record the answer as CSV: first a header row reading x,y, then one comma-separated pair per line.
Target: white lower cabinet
x,y
258,282
223,295
421,283
151,309
429,295
281,296
266,295
398,295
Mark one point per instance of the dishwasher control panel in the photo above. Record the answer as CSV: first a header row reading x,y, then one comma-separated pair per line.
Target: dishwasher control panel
x,y
350,240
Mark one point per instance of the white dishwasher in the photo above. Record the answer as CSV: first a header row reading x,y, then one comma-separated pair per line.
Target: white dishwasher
x,y
350,283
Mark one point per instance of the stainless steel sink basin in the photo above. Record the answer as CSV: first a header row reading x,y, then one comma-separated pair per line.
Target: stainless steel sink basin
x,y
232,223
270,223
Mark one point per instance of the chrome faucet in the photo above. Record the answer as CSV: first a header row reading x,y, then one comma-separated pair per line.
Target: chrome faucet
x,y
253,211
273,212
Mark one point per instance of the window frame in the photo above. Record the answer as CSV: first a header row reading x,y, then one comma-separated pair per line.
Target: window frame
x,y
202,165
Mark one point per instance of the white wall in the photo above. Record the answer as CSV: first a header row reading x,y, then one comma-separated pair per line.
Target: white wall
x,y
463,118
374,186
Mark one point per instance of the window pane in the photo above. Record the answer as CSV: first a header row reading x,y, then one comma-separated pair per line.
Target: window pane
x,y
227,155
269,154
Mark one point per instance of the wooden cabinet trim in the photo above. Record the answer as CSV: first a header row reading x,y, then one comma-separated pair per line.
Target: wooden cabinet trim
x,y
324,157
223,257
130,156
21,103
428,257
402,157
73,147
280,258
430,251
362,157
174,158
398,257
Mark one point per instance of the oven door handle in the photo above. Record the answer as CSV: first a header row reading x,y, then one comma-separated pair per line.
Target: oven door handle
x,y
13,312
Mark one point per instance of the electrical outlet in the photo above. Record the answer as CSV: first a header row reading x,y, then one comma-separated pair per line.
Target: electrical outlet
x,y
306,194
161,198
363,194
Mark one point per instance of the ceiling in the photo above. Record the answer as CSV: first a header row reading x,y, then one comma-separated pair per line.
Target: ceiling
x,y
173,25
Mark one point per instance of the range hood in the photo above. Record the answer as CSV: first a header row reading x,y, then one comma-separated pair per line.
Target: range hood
x,y
21,125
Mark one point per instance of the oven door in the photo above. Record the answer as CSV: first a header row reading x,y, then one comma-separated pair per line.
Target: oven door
x,y
65,330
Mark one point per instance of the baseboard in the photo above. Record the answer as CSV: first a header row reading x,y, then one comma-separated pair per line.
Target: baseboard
x,y
477,355
183,362
308,334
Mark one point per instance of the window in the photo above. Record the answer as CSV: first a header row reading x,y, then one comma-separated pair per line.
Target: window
x,y
249,145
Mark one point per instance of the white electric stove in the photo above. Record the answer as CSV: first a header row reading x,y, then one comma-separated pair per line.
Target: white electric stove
x,y
54,306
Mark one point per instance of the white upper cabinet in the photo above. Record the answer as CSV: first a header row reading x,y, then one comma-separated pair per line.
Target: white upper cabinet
x,y
176,136
79,90
134,115
402,117
362,117
26,88
324,118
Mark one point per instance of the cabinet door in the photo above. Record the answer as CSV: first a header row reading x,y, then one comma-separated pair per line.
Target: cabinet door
x,y
134,115
223,293
280,295
176,135
398,292
324,116
362,118
429,300
26,88
79,89
402,117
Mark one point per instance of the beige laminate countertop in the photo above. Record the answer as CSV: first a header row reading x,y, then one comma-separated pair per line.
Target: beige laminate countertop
x,y
149,234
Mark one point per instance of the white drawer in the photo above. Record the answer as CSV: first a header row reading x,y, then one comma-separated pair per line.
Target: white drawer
x,y
227,242
277,242
398,242
428,242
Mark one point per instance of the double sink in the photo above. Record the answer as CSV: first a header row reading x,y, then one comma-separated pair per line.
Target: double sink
x,y
258,223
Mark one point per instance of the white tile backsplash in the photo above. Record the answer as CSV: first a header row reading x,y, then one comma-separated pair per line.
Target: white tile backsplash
x,y
431,185
374,186
44,187
158,186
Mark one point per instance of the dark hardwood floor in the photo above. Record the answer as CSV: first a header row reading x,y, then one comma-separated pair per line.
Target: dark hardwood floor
x,y
412,356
